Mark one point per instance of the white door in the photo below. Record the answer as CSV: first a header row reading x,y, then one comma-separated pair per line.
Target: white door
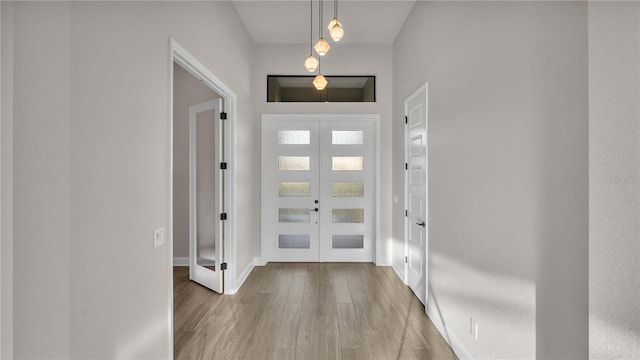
x,y
416,177
318,188
205,194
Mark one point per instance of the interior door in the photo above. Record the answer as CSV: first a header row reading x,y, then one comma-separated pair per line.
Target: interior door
x,y
318,188
416,178
205,194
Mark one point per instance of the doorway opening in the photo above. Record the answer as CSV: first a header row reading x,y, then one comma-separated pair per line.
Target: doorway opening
x,y
201,176
319,188
417,193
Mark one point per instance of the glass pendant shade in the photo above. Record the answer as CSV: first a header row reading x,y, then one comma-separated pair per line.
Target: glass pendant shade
x,y
320,82
311,64
333,22
336,32
322,47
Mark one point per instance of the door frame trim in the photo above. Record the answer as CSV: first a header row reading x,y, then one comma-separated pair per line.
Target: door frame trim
x,y
179,55
405,278
378,259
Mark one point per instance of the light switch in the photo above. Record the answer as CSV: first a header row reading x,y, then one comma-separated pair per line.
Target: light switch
x,y
158,236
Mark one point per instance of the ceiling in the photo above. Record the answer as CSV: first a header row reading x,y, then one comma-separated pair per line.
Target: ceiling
x,y
287,22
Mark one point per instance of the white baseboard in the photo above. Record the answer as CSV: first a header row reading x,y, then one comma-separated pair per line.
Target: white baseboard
x,y
383,262
447,334
260,261
399,273
180,261
184,261
243,276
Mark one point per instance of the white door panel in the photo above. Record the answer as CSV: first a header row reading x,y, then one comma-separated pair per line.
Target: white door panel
x,y
326,165
291,159
417,195
347,190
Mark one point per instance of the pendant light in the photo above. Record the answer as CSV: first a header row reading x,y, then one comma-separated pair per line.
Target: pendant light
x,y
320,82
322,46
311,64
335,27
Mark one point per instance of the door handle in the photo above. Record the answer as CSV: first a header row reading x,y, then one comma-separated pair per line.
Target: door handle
x,y
421,224
315,209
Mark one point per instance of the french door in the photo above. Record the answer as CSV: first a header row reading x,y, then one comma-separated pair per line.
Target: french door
x,y
318,188
206,182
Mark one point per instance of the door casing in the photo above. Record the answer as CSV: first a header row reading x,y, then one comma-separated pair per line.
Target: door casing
x,y
179,55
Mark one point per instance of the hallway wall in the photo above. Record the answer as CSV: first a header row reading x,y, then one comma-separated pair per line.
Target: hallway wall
x,y
6,182
42,178
507,171
91,155
342,59
614,180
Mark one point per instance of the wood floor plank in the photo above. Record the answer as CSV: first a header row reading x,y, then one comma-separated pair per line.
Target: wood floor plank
x,y
326,304
341,286
305,311
312,281
281,354
287,332
363,311
296,290
348,327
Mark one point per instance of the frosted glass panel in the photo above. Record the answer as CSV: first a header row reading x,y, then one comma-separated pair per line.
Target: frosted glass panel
x,y
293,137
347,137
347,216
347,189
288,189
205,173
347,241
292,163
293,241
346,163
293,215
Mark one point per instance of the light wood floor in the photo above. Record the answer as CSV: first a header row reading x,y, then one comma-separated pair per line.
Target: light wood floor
x,y
305,311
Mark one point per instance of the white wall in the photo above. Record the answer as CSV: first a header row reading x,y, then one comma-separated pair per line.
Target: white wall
x,y
350,59
131,93
6,182
187,91
91,168
507,171
42,179
614,180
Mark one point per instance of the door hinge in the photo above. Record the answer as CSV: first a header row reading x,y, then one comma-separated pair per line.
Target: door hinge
x,y
223,165
223,116
406,166
406,119
223,216
406,259
406,213
223,266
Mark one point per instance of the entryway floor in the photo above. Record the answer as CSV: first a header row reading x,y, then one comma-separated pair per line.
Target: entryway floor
x,y
305,311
